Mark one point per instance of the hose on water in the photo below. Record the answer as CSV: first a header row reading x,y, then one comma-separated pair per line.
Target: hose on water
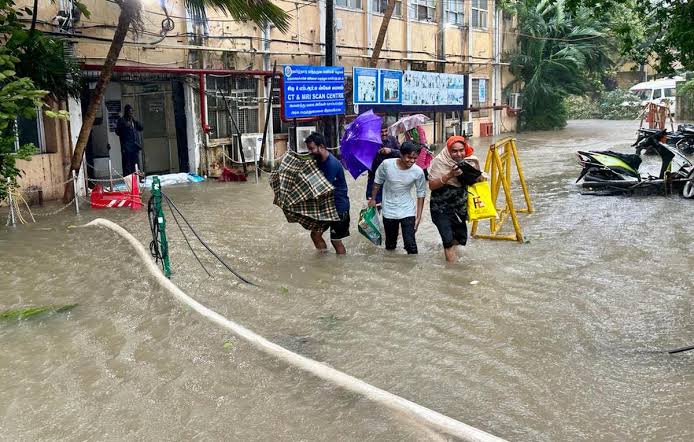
x,y
399,404
204,244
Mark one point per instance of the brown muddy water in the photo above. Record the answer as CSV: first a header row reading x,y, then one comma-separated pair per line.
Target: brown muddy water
x,y
562,338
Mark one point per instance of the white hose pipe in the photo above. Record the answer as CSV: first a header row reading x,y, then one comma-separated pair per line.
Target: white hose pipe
x,y
422,414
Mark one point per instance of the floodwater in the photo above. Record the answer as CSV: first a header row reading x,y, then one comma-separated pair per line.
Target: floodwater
x,y
561,338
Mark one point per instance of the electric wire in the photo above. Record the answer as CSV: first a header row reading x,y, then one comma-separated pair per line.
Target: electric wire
x,y
173,214
209,249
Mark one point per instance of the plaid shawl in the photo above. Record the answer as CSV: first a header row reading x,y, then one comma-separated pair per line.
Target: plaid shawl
x,y
303,193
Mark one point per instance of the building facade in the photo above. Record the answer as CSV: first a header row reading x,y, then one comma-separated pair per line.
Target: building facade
x,y
195,85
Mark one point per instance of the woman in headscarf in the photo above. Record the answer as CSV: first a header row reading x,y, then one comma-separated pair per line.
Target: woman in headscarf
x,y
449,193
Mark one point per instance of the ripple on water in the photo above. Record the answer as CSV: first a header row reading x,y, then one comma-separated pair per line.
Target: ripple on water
x,y
560,339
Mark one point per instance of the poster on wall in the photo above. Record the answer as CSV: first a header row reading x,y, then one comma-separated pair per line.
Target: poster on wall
x,y
311,91
365,88
432,89
113,109
456,90
483,91
423,89
391,86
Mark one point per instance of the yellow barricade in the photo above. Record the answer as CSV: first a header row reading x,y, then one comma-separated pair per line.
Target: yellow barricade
x,y
498,167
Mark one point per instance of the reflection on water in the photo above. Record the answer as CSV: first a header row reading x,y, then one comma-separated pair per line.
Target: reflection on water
x,y
561,338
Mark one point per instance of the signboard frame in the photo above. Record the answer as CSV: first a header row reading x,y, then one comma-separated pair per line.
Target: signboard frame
x,y
312,91
365,85
386,83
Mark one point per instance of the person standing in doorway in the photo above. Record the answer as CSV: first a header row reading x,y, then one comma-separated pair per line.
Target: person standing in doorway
x,y
127,130
335,174
398,177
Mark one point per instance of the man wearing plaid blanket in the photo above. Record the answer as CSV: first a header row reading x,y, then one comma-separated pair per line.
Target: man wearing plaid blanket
x,y
335,174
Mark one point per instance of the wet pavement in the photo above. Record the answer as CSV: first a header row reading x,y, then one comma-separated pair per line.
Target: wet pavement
x,y
561,338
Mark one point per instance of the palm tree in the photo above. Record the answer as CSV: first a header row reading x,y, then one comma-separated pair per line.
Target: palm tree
x,y
557,52
259,12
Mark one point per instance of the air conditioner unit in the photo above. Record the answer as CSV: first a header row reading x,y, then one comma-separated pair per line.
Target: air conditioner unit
x,y
250,144
515,101
301,133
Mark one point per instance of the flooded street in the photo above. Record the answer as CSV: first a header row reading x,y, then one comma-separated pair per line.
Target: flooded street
x,y
562,338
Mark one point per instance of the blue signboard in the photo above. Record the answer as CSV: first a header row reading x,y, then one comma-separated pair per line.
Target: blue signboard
x,y
483,91
365,82
311,91
391,86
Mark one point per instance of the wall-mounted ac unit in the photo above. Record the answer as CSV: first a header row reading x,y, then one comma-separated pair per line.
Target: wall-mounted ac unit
x,y
515,100
301,133
250,144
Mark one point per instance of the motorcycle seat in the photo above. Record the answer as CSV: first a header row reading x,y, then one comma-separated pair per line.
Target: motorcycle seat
x,y
631,159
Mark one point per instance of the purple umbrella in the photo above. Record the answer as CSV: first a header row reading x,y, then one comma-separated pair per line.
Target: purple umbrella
x,y
360,143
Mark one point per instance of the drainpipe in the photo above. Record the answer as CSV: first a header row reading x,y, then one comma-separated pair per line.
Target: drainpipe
x,y
469,60
442,68
369,39
499,48
495,36
408,34
322,12
298,28
270,151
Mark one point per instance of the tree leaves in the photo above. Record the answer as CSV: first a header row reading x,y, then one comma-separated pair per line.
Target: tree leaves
x,y
556,51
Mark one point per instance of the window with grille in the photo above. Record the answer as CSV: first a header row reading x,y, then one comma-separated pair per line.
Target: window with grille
x,y
423,10
454,12
241,94
30,131
480,95
379,7
349,4
480,9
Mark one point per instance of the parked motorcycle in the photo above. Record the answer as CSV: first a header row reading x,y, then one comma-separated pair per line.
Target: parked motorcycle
x,y
608,172
683,139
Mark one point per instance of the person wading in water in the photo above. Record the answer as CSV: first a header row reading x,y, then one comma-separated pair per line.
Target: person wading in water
x,y
335,174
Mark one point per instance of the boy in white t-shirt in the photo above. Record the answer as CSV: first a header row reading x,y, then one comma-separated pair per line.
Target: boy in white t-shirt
x,y
398,176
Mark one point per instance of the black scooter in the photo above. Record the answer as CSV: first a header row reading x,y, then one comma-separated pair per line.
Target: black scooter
x,y
609,173
683,139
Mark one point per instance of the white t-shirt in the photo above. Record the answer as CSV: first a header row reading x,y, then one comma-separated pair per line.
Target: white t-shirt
x,y
398,202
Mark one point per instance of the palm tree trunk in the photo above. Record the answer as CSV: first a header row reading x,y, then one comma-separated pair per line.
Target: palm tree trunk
x,y
34,16
382,33
127,13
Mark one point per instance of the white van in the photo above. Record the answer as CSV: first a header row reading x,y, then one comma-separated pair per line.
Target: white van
x,y
657,91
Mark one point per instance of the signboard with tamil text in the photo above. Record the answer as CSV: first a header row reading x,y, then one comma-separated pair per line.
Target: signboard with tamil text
x,y
312,91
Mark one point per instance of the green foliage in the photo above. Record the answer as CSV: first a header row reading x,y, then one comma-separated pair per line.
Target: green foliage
x,y
687,89
647,28
557,53
256,11
18,97
618,104
40,57
31,64
28,312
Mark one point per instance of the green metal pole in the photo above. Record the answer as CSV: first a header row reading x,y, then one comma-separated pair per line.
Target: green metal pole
x,y
164,245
